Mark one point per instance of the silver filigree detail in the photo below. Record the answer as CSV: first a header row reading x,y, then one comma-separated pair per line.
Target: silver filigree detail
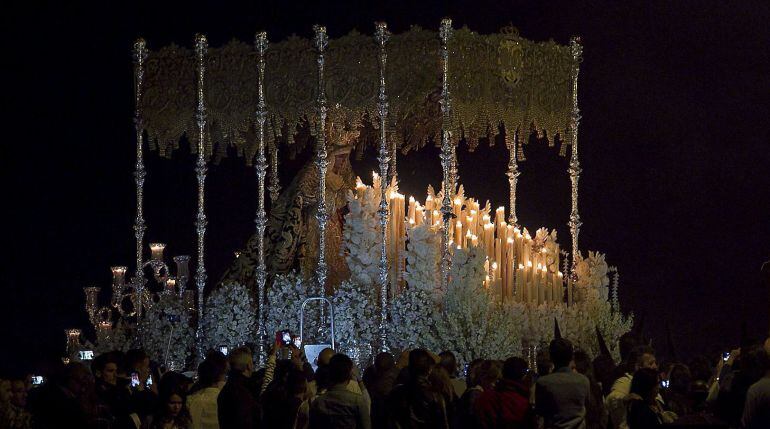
x,y
447,151
513,176
321,41
274,187
261,43
201,48
381,36
140,173
574,164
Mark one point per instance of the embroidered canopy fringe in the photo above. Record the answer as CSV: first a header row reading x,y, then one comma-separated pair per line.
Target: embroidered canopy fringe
x,y
496,80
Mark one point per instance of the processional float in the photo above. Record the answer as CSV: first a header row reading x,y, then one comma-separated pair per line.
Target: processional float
x,y
409,90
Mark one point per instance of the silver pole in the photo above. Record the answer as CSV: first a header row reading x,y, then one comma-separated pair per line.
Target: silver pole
x,y
261,166
382,35
321,41
574,165
447,155
201,46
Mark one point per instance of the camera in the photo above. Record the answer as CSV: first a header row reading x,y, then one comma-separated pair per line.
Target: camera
x,y
86,355
37,380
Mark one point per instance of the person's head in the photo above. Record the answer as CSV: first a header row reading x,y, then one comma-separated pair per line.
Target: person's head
x,y
296,382
172,405
604,370
420,363
643,357
583,363
561,352
473,372
19,392
626,344
679,378
325,356
105,368
384,362
241,361
77,379
754,362
448,362
543,362
489,372
441,383
137,361
515,369
211,372
340,369
645,384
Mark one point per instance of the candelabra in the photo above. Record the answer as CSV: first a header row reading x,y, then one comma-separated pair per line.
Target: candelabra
x,y
137,291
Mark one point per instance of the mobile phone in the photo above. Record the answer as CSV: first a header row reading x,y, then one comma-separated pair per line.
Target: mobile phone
x,y
149,381
725,356
86,355
37,380
135,379
297,341
286,338
224,350
664,384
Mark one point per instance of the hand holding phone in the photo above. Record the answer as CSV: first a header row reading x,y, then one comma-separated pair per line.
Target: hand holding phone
x,y
135,380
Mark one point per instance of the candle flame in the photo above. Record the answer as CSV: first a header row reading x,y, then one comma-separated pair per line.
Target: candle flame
x,y
521,266
411,199
494,265
529,264
561,274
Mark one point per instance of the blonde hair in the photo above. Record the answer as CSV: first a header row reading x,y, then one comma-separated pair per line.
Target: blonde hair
x,y
240,359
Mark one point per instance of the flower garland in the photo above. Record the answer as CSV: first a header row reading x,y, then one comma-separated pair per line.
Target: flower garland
x,y
230,317
167,333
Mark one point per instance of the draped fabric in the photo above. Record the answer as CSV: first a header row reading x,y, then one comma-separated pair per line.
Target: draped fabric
x,y
495,80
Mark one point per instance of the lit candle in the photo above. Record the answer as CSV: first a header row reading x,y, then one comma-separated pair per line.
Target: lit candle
x,y
118,276
559,281
171,285
156,249
459,234
412,206
520,292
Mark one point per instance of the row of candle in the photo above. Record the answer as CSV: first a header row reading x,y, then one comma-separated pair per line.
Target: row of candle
x,y
519,268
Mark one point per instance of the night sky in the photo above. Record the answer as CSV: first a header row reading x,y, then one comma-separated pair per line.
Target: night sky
x,y
675,99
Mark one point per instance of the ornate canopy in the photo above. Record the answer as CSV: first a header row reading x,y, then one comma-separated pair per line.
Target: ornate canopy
x,y
495,80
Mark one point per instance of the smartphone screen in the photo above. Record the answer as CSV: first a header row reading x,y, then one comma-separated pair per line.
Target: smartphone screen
x,y
286,338
37,380
725,356
149,381
223,350
135,379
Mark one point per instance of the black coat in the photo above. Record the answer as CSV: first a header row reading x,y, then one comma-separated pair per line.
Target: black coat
x,y
237,405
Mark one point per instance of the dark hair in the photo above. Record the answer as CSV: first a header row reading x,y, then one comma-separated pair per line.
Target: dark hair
x,y
101,361
384,362
183,419
561,352
644,383
515,368
679,378
473,372
296,381
604,372
626,343
210,372
448,362
340,369
582,362
635,357
420,362
134,357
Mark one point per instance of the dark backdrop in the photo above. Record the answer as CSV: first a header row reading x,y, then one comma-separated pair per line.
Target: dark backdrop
x,y
675,98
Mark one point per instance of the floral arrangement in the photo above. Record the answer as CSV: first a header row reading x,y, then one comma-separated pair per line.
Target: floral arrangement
x,y
284,301
423,259
167,333
119,337
231,316
362,234
356,321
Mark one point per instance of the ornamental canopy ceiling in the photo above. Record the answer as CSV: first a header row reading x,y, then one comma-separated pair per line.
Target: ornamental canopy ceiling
x,y
496,81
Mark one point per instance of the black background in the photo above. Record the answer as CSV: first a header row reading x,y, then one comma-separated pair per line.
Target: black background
x,y
675,98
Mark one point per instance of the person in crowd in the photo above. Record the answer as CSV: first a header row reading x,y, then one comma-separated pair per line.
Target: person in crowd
x,y
112,393
322,373
172,411
561,397
416,404
379,380
677,394
743,368
596,413
63,401
237,405
18,416
144,396
285,402
339,407
644,410
756,411
449,363
202,403
626,345
442,383
642,356
604,368
483,375
544,363
507,404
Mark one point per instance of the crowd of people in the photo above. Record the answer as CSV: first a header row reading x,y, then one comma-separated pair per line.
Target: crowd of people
x,y
566,389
